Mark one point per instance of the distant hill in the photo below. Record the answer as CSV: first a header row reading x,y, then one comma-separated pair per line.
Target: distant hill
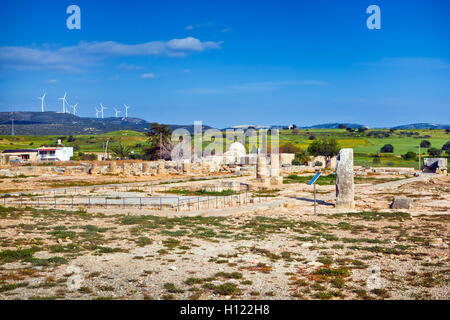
x,y
53,123
423,126
334,126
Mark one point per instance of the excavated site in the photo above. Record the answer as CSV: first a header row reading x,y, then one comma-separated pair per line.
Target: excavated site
x,y
160,230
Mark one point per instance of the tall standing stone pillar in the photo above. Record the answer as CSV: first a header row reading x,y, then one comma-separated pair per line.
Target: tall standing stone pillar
x,y
261,167
345,189
275,177
274,165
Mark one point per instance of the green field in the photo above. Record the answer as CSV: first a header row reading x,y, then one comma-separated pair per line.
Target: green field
x,y
366,145
82,143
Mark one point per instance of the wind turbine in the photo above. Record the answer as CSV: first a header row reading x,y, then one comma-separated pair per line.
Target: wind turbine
x,y
126,110
63,102
102,108
42,101
97,112
117,112
74,107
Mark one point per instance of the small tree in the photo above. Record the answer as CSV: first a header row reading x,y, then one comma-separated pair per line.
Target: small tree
x,y
446,147
160,144
434,152
342,126
121,151
324,147
289,148
387,148
302,157
425,144
410,155
362,129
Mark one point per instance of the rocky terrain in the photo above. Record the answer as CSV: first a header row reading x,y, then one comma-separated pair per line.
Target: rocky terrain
x,y
258,251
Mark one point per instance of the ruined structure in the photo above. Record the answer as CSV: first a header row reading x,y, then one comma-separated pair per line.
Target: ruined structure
x,y
435,165
160,169
275,177
345,190
261,167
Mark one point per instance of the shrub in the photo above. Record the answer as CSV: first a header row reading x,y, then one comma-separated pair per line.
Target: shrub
x,y
387,148
425,144
409,155
289,148
446,147
434,152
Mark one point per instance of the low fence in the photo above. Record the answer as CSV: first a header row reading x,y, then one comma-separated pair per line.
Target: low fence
x,y
163,185
153,203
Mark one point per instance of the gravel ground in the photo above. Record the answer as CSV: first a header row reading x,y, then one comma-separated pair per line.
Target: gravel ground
x,y
274,250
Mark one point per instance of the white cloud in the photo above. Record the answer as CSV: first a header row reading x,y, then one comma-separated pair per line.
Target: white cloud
x,y
53,81
85,54
225,30
148,76
199,25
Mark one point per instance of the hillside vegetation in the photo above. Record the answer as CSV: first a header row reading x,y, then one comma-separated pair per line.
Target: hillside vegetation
x,y
366,144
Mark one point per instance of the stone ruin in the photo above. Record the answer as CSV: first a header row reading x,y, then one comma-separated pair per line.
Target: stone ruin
x,y
435,165
345,187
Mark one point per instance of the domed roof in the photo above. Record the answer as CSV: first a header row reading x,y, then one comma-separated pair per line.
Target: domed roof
x,y
237,148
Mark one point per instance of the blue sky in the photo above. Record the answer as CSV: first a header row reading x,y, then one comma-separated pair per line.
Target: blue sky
x,y
231,62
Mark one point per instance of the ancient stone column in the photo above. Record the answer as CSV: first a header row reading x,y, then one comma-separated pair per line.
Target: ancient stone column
x,y
275,177
261,167
186,167
345,190
126,169
112,167
160,168
145,167
274,165
135,169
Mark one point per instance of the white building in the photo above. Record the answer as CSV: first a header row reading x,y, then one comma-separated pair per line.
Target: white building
x,y
55,153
